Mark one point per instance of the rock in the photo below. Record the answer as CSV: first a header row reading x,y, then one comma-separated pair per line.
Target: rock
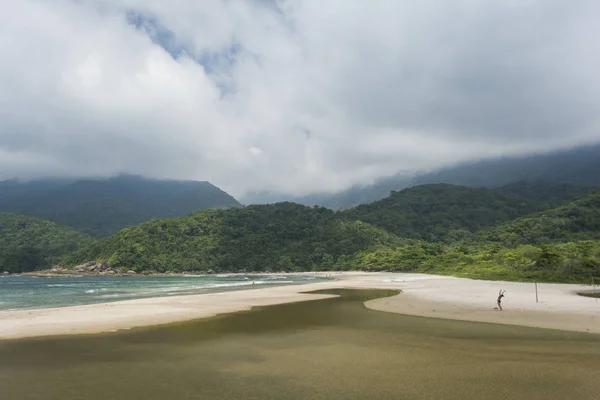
x,y
88,266
131,272
104,266
110,272
92,268
6,273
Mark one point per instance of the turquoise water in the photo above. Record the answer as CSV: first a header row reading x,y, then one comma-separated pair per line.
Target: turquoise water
x,y
19,292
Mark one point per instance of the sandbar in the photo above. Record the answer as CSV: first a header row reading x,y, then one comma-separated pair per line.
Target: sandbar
x,y
558,306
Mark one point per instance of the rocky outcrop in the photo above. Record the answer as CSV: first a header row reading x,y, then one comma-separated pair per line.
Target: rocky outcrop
x,y
87,267
94,267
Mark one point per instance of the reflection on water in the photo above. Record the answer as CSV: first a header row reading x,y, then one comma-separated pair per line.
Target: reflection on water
x,y
327,349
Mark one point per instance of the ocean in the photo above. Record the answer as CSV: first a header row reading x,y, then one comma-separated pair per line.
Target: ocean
x,y
23,292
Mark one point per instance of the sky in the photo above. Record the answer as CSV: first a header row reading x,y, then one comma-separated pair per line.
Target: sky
x,y
290,96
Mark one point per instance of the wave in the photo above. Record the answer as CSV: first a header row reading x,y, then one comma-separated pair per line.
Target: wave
x,y
61,285
114,295
237,284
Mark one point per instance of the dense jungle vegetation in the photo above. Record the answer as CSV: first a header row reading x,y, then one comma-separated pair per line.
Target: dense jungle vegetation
x,y
522,231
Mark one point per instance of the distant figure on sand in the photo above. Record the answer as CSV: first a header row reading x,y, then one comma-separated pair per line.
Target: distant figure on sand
x,y
500,296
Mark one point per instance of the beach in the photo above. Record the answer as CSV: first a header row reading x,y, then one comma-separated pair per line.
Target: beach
x,y
558,307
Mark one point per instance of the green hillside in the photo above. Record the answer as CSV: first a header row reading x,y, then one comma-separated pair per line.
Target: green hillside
x,y
443,212
278,237
577,261
442,229
561,244
101,207
28,243
577,220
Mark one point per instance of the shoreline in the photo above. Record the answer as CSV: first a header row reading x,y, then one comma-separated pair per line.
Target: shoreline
x,y
559,306
72,274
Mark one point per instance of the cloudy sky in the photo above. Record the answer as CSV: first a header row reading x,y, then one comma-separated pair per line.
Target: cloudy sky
x,y
290,96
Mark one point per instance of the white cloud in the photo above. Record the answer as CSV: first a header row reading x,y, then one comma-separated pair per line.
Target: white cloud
x,y
290,96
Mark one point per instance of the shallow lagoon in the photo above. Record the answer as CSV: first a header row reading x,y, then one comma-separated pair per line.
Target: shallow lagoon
x,y
326,349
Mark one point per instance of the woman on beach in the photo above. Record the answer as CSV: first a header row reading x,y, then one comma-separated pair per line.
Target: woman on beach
x,y
499,301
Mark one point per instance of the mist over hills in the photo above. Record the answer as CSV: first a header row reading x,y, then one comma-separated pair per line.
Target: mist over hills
x,y
101,207
579,165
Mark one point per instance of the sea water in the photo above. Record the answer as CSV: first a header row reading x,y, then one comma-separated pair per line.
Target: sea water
x,y
19,292
320,350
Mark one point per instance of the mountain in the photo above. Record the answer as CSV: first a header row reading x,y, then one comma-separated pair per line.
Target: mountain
x,y
101,207
28,243
437,228
579,165
352,197
442,212
561,244
576,220
278,237
13,189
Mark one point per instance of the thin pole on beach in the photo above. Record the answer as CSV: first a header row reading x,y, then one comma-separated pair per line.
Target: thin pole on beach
x,y
536,293
594,289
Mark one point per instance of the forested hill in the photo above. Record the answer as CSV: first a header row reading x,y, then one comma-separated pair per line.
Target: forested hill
x,y
576,220
443,212
521,231
101,207
561,244
28,243
278,237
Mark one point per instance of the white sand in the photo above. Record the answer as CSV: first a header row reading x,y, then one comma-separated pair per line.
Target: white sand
x,y
423,295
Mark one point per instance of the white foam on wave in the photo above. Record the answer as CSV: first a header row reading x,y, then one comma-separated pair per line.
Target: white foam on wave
x,y
110,296
237,284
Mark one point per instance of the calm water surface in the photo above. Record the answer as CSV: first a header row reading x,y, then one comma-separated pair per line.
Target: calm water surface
x,y
327,349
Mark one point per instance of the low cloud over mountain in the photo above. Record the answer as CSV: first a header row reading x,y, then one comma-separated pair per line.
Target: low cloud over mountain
x,y
290,96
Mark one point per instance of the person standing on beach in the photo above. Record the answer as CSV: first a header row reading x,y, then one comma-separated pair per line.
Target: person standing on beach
x,y
499,301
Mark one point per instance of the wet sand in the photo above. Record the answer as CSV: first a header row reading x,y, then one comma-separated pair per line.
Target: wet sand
x,y
330,349
559,306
